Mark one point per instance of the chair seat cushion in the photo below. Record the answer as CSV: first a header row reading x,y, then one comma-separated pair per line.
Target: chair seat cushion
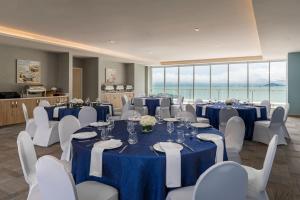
x,y
184,193
263,123
253,180
94,190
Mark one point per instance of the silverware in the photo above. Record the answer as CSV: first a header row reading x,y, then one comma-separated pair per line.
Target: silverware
x,y
153,150
123,148
188,147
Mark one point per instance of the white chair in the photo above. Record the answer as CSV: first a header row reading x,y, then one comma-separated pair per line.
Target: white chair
x,y
234,138
164,108
258,179
129,114
124,99
198,101
28,160
187,116
66,127
225,114
46,132
225,180
265,130
177,106
44,103
30,124
55,182
139,106
87,115
267,104
284,129
191,109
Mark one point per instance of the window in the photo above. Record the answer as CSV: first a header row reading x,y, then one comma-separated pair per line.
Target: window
x,y
219,82
238,81
186,82
202,82
158,80
171,86
258,81
278,82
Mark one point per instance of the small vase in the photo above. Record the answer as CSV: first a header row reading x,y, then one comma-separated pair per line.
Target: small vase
x,y
147,129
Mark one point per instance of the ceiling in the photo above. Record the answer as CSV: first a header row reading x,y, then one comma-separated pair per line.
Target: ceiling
x,y
160,30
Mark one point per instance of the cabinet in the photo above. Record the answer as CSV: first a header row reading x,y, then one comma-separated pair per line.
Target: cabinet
x,y
115,98
11,111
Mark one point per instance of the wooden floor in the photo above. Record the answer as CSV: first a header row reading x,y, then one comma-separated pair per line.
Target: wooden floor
x,y
284,182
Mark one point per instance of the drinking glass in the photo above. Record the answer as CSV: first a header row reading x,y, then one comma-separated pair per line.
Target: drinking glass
x,y
180,136
158,116
194,132
170,129
132,135
104,134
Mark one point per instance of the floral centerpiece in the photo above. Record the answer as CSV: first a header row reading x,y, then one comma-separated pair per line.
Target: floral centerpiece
x,y
76,102
147,122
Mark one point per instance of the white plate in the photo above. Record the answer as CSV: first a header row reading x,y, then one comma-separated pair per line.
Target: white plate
x,y
176,146
209,136
135,119
200,125
171,120
84,135
114,146
98,124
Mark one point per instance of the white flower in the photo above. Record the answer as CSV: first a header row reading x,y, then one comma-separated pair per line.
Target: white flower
x,y
76,101
147,120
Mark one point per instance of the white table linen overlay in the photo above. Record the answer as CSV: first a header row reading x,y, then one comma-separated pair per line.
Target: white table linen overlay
x,y
258,114
173,165
220,149
204,110
97,153
55,111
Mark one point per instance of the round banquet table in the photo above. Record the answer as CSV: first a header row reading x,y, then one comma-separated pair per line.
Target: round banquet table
x,y
137,172
102,111
247,113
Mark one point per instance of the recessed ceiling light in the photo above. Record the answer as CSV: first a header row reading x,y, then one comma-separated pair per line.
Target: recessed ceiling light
x,y
111,41
197,29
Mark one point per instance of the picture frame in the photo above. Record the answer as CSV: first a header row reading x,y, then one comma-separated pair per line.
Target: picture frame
x,y
28,72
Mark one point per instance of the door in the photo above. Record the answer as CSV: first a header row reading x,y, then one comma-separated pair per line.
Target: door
x,y
77,83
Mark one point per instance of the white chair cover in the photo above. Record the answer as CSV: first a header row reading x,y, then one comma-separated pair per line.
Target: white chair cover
x,y
234,138
139,106
225,114
225,180
130,113
164,108
44,103
124,99
30,124
28,160
198,101
258,179
284,129
267,104
66,127
265,130
87,115
55,182
187,116
45,134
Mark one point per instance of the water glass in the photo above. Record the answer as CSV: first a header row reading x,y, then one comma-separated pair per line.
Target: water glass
x,y
104,134
158,116
195,131
132,135
170,129
180,136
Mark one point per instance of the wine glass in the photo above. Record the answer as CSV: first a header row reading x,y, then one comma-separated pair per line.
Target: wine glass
x,y
158,116
170,129
187,124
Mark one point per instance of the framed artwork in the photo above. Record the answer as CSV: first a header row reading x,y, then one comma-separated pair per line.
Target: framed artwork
x,y
28,72
110,75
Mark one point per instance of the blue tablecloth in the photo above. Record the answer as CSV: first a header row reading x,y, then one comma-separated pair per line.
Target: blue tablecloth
x,y
247,113
102,111
138,173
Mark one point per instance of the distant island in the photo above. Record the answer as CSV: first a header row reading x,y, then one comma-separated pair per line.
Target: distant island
x,y
274,84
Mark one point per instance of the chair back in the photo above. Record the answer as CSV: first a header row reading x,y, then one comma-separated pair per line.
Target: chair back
x,y
27,156
41,118
44,103
267,104
130,113
124,99
198,101
191,109
226,180
138,102
235,133
54,180
187,116
226,113
286,112
277,118
267,167
165,102
66,127
24,108
87,115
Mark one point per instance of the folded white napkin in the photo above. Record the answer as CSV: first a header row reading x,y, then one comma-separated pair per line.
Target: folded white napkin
x,y
96,155
173,165
220,149
55,111
258,112
204,110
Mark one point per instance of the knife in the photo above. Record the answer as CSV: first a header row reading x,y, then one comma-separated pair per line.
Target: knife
x,y
123,148
188,147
